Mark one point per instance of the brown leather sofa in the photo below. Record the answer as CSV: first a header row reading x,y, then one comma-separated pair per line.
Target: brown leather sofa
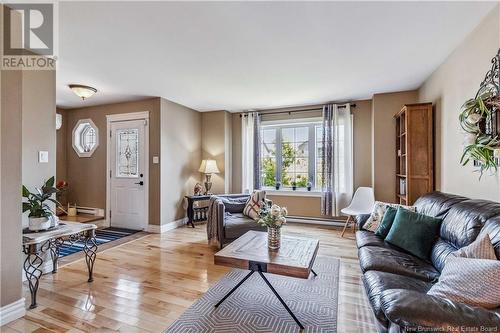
x,y
396,282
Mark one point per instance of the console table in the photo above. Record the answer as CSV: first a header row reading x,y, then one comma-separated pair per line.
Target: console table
x,y
196,214
35,244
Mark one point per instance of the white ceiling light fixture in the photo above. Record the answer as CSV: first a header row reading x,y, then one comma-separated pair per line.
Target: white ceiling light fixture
x,y
82,91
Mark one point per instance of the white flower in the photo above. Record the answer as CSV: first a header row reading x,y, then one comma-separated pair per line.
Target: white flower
x,y
474,118
275,210
284,211
282,220
496,153
469,139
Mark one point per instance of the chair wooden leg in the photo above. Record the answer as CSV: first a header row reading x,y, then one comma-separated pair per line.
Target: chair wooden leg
x,y
346,224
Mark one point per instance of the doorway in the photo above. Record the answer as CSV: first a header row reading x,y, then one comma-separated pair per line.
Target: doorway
x,y
127,187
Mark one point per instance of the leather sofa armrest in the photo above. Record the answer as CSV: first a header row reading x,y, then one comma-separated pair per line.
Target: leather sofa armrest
x,y
415,310
361,220
221,212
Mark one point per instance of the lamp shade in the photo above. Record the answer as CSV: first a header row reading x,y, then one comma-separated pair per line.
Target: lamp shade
x,y
82,91
208,166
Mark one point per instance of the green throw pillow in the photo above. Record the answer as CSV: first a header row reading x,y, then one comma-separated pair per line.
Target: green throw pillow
x,y
414,232
386,223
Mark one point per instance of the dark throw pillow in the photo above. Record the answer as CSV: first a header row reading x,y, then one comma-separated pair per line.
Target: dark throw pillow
x,y
414,232
386,223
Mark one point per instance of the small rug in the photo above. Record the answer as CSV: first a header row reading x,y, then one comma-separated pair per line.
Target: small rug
x,y
101,235
254,308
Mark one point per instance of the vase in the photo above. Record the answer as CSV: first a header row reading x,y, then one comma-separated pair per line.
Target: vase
x,y
273,238
39,223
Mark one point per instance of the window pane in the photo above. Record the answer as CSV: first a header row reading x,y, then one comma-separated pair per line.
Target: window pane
x,y
301,134
268,150
127,142
287,134
269,135
302,149
268,171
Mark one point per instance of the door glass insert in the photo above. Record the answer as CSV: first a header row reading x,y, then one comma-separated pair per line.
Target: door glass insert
x,y
127,153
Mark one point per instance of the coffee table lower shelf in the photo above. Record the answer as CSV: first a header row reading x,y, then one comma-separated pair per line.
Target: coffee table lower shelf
x,y
258,267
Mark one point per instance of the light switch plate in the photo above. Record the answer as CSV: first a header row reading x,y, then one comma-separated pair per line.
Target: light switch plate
x,y
43,156
156,159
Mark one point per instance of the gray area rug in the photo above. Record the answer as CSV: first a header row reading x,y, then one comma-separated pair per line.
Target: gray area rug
x,y
254,308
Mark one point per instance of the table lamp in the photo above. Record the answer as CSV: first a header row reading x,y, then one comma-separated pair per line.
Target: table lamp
x,y
208,167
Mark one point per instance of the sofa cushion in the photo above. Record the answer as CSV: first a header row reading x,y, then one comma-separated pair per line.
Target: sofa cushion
x,y
464,221
368,238
376,282
237,224
384,259
440,251
481,248
492,228
437,204
234,205
386,223
414,232
470,281
378,213
252,208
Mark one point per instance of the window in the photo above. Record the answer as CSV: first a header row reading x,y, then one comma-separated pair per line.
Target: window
x,y
291,153
85,138
127,152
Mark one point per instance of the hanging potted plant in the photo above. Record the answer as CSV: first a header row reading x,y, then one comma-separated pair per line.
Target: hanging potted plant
x,y
41,217
478,145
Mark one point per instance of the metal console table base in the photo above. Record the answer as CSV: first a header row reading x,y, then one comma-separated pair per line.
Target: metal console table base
x,y
34,259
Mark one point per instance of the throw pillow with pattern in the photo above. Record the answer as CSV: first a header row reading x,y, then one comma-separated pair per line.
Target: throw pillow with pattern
x,y
469,281
378,214
481,248
253,205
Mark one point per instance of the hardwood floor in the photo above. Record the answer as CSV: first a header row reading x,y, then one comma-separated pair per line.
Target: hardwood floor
x,y
144,285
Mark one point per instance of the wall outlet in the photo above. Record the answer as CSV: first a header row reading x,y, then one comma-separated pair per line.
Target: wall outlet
x,y
43,156
156,159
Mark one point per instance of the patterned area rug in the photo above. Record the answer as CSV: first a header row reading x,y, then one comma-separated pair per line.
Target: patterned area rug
x,y
254,308
101,236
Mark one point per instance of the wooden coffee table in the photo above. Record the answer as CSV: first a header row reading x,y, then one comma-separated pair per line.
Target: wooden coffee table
x,y
294,258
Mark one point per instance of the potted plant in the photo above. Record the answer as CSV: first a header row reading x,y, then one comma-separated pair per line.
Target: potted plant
x,y
278,185
41,216
273,217
478,145
294,185
309,186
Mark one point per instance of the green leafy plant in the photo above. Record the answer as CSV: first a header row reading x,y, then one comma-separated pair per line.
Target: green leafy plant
x,y
478,145
35,202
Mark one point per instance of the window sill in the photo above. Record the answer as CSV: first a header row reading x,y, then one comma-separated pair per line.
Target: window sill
x,y
292,193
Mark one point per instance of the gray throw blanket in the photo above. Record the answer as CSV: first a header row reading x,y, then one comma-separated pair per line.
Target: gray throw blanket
x,y
213,221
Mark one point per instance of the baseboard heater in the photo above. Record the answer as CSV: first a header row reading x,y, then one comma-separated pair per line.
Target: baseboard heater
x,y
316,220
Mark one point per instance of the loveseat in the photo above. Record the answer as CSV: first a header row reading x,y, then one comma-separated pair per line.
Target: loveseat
x,y
396,282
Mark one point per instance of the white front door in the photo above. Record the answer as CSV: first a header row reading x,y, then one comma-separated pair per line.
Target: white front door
x,y
128,167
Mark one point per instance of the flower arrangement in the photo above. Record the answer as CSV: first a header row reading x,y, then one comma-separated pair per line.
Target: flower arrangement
x,y
478,145
272,216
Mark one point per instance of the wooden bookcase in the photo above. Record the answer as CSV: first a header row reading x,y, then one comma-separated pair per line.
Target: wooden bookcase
x,y
414,152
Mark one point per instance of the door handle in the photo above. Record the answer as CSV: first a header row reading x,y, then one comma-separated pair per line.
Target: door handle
x,y
140,183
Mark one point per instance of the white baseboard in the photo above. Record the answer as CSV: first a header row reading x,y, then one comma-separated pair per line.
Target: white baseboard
x,y
158,229
305,220
12,311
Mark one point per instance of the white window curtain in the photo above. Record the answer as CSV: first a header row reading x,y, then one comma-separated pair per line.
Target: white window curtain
x,y
337,170
247,152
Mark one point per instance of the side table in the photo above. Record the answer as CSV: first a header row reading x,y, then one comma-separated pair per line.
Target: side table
x,y
196,214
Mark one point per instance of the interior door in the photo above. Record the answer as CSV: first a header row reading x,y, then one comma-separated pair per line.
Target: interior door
x,y
128,167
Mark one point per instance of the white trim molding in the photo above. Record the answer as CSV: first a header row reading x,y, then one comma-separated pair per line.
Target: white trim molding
x,y
12,311
291,193
159,229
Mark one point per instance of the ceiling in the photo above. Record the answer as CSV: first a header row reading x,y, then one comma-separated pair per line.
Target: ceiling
x,y
253,55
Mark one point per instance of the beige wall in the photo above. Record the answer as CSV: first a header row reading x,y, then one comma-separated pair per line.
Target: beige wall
x,y
39,127
384,107
214,142
455,81
61,147
310,206
180,157
10,184
87,176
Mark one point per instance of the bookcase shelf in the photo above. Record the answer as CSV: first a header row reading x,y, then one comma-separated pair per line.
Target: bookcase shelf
x,y
414,152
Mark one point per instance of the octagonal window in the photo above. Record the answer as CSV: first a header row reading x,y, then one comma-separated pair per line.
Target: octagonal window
x,y
85,137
